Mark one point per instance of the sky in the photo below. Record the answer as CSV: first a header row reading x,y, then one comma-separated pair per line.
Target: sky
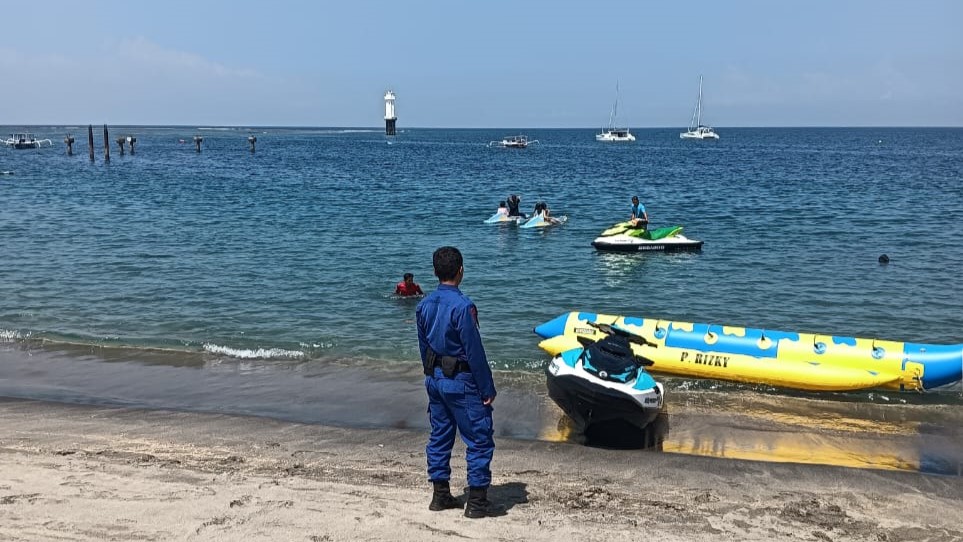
x,y
482,63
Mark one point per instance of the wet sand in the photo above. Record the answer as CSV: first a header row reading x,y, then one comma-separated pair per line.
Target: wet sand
x,y
107,473
922,433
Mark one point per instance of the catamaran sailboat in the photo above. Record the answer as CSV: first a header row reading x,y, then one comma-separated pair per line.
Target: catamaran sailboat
x,y
613,134
696,128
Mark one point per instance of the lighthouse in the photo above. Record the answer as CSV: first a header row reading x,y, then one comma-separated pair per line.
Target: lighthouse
x,y
390,117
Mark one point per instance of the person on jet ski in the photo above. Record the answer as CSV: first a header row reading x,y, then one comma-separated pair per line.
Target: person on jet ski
x,y
640,219
541,209
513,202
502,209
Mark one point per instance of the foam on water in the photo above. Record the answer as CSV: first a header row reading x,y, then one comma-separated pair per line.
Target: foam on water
x,y
257,353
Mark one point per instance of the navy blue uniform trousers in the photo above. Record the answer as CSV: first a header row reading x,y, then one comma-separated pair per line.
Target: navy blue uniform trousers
x,y
454,403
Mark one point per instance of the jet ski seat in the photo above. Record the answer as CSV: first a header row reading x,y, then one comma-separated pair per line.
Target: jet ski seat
x,y
611,359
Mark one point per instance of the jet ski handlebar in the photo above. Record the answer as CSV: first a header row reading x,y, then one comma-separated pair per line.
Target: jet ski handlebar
x,y
612,330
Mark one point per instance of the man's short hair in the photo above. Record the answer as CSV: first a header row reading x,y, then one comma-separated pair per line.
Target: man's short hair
x,y
447,261
408,276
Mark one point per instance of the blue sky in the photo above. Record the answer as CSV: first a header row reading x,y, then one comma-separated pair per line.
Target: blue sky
x,y
490,63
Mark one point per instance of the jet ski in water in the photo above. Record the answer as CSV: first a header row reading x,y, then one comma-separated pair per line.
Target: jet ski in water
x,y
627,237
499,218
540,221
604,383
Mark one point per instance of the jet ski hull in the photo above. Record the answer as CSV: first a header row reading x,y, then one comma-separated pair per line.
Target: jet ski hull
x,y
590,401
504,219
539,221
626,243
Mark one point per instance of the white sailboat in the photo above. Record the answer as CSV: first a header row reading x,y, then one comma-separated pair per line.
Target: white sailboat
x,y
696,128
613,134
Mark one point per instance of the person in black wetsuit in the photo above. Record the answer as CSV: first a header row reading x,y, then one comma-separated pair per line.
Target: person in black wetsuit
x,y
513,202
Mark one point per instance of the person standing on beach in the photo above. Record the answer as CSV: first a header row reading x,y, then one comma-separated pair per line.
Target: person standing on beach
x,y
459,385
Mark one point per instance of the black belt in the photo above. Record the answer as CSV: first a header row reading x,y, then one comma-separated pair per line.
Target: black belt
x,y
460,366
449,365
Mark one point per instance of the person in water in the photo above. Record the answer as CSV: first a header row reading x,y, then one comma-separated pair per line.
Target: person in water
x,y
640,218
502,209
513,202
408,287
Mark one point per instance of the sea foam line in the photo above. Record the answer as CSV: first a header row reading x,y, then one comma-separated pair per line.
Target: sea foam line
x,y
258,353
9,335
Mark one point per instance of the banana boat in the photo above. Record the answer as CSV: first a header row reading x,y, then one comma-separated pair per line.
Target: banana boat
x,y
801,361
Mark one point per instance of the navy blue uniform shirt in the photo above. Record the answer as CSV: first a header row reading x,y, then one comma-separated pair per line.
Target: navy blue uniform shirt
x,y
448,324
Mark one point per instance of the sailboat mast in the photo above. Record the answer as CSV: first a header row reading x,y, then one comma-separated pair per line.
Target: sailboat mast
x,y
699,122
615,107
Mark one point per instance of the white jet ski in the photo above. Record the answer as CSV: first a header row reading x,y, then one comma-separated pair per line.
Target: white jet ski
x,y
604,382
625,237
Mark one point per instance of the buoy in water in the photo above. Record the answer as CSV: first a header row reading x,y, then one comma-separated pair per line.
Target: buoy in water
x,y
883,259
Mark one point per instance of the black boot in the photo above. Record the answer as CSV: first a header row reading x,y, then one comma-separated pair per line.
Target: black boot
x,y
441,497
478,505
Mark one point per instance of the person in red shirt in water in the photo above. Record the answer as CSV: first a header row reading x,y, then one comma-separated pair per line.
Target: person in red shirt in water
x,y
407,287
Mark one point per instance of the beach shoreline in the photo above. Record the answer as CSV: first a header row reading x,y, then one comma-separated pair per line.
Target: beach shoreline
x,y
107,473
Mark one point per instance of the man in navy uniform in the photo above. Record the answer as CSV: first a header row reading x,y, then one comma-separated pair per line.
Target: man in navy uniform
x,y
460,387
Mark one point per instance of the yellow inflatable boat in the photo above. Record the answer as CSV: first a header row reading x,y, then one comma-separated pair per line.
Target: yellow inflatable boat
x,y
800,361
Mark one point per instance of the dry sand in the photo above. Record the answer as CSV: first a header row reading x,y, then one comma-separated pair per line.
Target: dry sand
x,y
97,473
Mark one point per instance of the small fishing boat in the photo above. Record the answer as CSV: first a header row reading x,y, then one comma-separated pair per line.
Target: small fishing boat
x,y
513,142
625,237
26,141
604,382
696,129
800,361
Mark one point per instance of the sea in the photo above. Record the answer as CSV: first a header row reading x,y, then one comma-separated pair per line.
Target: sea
x,y
261,282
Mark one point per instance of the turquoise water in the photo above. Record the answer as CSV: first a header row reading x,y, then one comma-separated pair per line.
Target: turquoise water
x,y
262,283
292,252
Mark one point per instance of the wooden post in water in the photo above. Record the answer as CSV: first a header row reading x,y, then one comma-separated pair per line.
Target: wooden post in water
x,y
90,141
197,142
106,145
69,140
252,140
120,143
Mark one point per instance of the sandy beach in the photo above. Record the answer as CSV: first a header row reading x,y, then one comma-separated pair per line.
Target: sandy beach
x,y
99,473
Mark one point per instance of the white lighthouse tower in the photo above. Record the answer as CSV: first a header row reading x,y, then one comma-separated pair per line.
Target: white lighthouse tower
x,y
390,117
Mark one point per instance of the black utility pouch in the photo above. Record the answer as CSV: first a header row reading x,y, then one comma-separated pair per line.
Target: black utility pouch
x,y
449,366
428,364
